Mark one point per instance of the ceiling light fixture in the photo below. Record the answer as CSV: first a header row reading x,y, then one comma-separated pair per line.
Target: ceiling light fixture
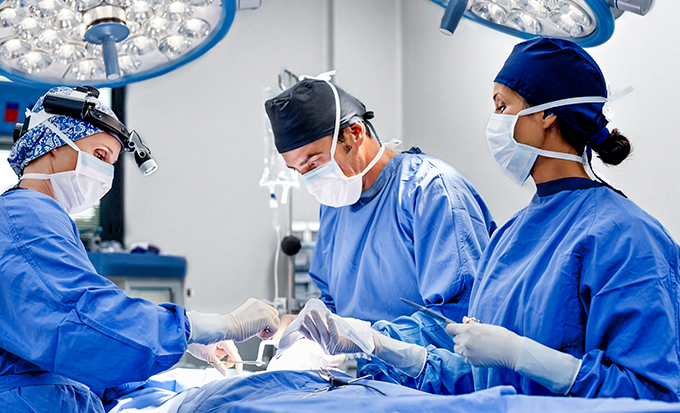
x,y
587,22
107,42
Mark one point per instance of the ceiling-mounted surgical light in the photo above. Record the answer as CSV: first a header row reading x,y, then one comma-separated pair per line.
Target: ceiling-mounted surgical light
x,y
587,22
107,42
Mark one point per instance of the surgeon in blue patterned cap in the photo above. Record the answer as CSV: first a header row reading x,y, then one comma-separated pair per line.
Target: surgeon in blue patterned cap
x,y
70,337
47,159
577,294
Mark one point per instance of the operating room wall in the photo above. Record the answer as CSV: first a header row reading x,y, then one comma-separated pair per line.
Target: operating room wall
x,y
447,100
204,124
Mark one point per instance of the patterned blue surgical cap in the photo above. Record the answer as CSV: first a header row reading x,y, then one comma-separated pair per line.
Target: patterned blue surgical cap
x,y
39,140
544,70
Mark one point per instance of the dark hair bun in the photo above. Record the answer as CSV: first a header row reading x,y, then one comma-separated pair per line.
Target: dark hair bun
x,y
614,149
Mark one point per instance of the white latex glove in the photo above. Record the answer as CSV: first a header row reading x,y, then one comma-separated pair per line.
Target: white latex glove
x,y
408,358
214,353
252,318
485,345
324,330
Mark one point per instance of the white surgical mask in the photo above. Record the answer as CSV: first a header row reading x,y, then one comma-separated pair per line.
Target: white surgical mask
x,y
516,159
328,183
79,189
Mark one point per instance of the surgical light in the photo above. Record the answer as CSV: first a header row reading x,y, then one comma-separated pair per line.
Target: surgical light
x,y
587,22
107,42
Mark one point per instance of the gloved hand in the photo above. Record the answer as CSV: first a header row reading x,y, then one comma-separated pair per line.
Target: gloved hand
x,y
324,330
485,345
214,353
335,339
252,318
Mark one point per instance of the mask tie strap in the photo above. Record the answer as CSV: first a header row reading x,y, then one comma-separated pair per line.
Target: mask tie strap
x,y
374,161
68,141
607,110
326,77
557,155
603,133
336,128
563,102
62,135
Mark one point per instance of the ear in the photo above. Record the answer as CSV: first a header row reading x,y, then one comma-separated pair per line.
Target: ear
x,y
549,120
357,131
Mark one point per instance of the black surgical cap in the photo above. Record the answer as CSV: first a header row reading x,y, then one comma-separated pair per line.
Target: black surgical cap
x,y
306,113
544,70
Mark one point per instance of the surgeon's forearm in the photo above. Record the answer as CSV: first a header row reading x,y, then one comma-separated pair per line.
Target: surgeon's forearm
x,y
207,328
409,358
551,368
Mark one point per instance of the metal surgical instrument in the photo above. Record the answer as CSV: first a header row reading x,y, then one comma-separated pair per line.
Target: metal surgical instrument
x,y
428,311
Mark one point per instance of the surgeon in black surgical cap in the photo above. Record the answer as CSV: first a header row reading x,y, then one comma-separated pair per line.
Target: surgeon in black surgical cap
x,y
391,225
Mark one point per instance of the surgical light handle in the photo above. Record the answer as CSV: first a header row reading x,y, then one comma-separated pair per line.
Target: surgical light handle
x,y
640,7
452,15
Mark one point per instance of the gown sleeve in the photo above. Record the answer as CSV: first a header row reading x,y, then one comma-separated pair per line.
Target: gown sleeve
x,y
444,373
629,285
59,314
446,248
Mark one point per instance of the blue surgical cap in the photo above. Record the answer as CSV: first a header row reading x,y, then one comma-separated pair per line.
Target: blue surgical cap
x,y
544,70
306,113
40,139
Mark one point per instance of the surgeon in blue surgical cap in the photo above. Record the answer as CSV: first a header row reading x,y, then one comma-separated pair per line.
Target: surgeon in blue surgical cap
x,y
70,338
577,294
392,225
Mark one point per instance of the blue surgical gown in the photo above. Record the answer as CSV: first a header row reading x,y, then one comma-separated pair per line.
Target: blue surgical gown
x,y
63,326
416,233
444,372
585,271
